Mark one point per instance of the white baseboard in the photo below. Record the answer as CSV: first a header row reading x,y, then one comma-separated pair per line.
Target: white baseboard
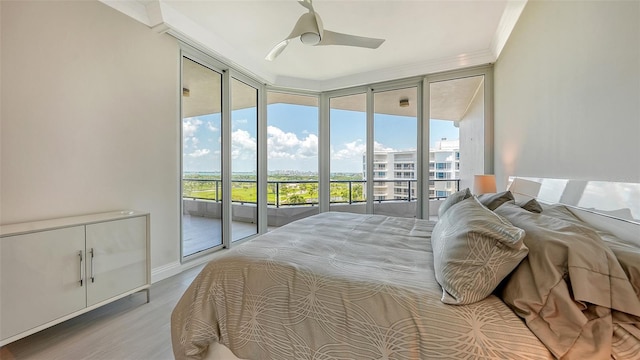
x,y
165,271
176,267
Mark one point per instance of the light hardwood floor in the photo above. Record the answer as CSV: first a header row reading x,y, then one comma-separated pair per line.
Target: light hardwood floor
x,y
126,329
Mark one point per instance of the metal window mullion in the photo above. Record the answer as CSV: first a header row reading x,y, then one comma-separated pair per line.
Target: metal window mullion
x,y
324,176
423,149
181,150
422,191
488,122
262,160
226,159
370,151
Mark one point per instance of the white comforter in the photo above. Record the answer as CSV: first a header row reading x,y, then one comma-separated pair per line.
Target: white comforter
x,y
341,286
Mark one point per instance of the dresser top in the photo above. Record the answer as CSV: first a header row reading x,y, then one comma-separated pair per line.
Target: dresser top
x,y
50,224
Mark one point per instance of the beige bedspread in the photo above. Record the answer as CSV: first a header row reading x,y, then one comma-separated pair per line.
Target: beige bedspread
x,y
571,289
341,286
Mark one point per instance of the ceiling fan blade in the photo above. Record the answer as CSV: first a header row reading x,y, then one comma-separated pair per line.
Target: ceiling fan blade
x,y
335,38
305,24
277,50
307,4
310,30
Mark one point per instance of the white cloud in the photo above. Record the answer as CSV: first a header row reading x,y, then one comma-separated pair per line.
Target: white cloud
x,y
356,149
287,145
243,146
379,147
212,127
350,150
190,126
309,146
199,152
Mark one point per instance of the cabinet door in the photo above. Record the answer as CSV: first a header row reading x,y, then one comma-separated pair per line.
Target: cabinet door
x,y
40,278
116,258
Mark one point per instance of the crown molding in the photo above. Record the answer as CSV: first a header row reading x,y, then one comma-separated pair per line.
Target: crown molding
x,y
508,21
133,9
189,32
480,57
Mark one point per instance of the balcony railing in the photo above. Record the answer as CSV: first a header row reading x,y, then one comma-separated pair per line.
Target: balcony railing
x,y
304,192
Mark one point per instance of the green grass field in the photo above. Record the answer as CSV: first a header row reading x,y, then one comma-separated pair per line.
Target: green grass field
x,y
293,193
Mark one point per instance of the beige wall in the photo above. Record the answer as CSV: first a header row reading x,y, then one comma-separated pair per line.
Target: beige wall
x,y
89,117
567,93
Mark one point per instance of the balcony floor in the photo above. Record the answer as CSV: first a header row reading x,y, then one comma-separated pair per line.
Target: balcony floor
x,y
201,233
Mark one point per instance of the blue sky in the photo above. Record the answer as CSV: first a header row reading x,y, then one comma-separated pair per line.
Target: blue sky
x,y
292,135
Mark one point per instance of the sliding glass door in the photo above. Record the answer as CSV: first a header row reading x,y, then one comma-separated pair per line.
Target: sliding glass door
x,y
292,156
395,158
457,134
201,158
244,160
461,131
219,177
348,144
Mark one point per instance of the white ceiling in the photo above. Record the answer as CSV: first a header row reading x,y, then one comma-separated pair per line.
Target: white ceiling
x,y
422,36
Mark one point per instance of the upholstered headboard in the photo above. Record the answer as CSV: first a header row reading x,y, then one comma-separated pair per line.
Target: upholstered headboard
x,y
610,206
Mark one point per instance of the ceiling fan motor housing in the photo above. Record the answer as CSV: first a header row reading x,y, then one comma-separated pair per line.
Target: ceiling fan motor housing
x,y
310,38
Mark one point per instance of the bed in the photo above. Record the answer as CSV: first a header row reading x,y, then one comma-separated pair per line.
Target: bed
x,y
351,286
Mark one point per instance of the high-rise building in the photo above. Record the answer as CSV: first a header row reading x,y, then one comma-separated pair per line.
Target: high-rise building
x,y
395,177
444,164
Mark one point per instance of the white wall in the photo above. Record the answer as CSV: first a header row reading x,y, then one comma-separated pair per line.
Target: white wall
x,y
89,117
567,93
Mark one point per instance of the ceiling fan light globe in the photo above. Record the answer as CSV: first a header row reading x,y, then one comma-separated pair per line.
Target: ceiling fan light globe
x,y
310,38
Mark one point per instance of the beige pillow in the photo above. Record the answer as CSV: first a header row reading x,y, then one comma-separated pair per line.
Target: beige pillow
x,y
473,250
493,200
452,200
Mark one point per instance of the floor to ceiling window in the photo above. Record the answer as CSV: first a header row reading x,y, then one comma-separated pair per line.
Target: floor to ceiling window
x,y
244,160
219,177
457,126
201,161
395,158
292,156
348,143
379,156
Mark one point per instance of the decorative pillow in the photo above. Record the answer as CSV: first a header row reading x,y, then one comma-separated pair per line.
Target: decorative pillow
x,y
474,249
492,201
531,205
453,199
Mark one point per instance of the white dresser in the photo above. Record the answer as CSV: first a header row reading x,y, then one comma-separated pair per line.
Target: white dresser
x,y
53,270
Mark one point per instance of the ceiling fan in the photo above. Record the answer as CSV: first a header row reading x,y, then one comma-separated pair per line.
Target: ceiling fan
x,y
309,29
